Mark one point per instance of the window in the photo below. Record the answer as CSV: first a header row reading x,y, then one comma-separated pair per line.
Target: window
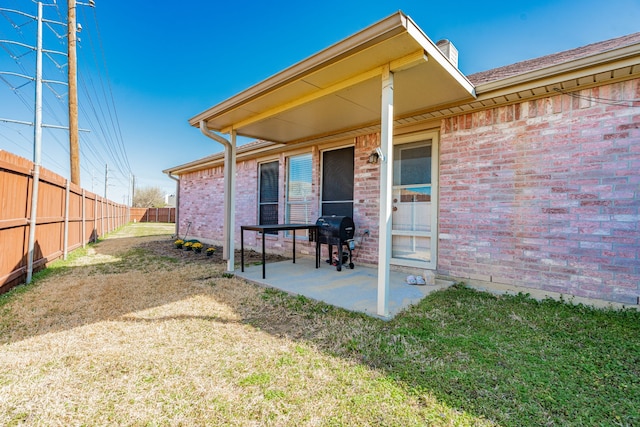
x,y
299,189
412,172
268,194
412,230
337,182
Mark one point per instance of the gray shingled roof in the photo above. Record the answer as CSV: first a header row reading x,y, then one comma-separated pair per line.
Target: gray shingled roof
x,y
553,59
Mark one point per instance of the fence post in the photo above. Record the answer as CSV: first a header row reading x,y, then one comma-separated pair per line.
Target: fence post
x,y
95,218
65,239
84,219
102,217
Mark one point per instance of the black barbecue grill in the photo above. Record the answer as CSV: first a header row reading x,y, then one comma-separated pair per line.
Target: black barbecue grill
x,y
338,231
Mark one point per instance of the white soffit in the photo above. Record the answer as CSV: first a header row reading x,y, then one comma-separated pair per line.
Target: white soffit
x,y
339,88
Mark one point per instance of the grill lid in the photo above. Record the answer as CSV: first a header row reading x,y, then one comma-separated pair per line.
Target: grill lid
x,y
335,227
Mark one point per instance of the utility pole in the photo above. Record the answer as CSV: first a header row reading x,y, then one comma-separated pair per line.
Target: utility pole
x,y
37,122
37,148
74,146
106,178
130,189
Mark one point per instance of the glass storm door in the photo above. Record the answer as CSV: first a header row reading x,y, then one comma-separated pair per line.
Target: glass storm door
x,y
412,207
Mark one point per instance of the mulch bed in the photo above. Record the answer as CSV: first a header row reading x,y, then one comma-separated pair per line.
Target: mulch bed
x,y
166,248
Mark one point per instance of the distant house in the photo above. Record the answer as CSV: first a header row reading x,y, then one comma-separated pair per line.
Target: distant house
x,y
170,200
524,177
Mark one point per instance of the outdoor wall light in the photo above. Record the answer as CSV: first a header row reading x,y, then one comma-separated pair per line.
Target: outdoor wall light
x,y
376,156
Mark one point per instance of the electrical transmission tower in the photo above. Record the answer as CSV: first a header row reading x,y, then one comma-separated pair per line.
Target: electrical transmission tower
x,y
37,120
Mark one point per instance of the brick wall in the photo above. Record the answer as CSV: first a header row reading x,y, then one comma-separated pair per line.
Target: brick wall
x,y
202,203
542,194
545,194
366,209
201,210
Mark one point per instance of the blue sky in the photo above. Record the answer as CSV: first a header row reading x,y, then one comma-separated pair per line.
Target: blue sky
x,y
168,61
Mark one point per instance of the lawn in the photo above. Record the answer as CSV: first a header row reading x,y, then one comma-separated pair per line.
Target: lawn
x,y
124,334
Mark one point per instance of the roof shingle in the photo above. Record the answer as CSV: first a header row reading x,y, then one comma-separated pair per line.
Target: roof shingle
x,y
553,59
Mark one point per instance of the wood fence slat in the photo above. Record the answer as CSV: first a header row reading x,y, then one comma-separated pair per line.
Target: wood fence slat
x,y
88,217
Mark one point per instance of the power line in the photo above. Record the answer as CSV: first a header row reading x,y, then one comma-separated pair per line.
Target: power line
x,y
115,112
105,143
112,133
598,100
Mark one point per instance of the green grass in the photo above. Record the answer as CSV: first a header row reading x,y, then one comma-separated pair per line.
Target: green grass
x,y
142,229
512,359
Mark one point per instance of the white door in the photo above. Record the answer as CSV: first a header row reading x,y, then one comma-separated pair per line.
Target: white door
x,y
412,228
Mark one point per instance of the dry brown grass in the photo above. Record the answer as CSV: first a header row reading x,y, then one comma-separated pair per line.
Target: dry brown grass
x,y
126,336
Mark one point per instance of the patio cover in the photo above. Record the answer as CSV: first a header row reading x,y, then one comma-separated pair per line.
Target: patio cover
x,y
388,71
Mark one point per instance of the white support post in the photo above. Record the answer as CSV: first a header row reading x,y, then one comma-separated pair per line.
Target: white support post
x,y
386,192
230,199
226,204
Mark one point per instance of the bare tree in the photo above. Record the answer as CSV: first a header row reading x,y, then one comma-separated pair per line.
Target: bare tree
x,y
148,197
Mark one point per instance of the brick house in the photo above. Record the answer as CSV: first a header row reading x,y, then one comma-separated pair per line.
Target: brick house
x,y
524,177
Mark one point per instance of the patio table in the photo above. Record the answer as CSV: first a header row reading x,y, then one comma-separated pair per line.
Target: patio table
x,y
313,236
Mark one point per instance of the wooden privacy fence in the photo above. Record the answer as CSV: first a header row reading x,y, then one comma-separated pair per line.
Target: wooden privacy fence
x,y
153,214
67,217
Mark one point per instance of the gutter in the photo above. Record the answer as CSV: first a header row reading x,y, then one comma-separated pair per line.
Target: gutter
x,y
246,151
177,180
229,191
208,133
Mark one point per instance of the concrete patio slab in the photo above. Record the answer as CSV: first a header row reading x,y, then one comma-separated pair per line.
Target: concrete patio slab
x,y
354,290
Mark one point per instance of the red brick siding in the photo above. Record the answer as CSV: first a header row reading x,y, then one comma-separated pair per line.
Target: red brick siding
x,y
202,202
545,194
246,199
541,194
366,207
